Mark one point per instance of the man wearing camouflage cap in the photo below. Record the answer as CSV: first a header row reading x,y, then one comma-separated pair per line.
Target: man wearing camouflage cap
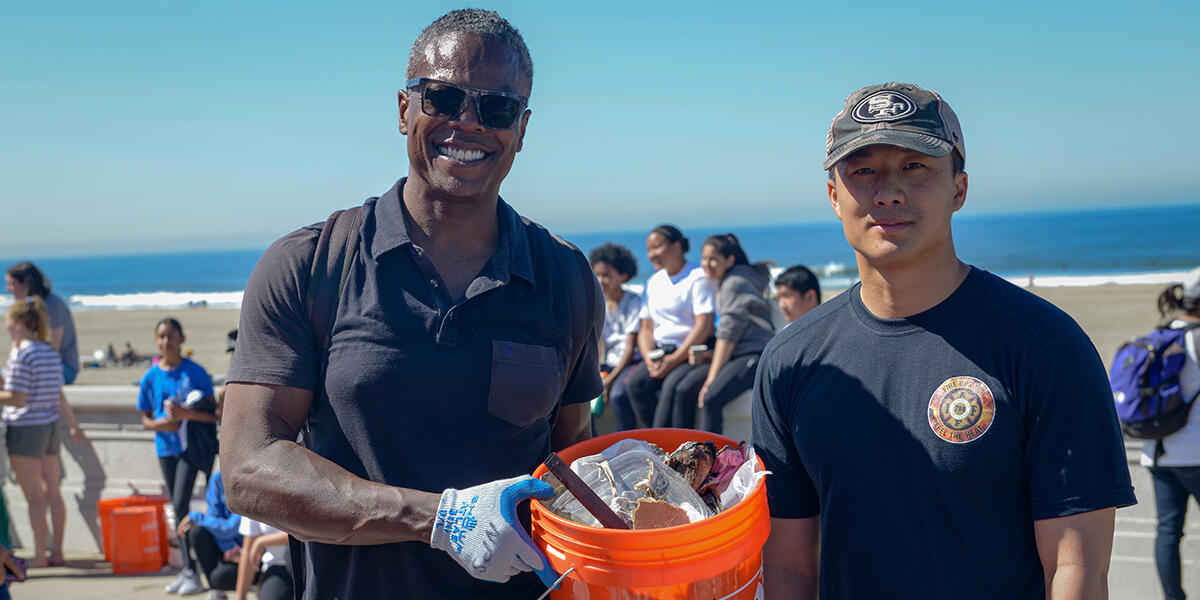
x,y
934,431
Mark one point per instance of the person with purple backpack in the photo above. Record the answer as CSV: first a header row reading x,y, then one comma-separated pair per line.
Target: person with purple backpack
x,y
1174,460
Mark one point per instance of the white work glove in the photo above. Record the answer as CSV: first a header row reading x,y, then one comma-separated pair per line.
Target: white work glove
x,y
478,528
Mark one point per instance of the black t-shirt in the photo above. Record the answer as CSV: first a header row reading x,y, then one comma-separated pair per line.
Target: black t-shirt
x,y
424,391
929,445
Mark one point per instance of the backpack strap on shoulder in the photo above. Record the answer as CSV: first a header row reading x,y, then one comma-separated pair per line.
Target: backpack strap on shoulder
x,y
336,247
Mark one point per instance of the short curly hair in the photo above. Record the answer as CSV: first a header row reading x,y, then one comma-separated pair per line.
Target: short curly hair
x,y
486,24
616,256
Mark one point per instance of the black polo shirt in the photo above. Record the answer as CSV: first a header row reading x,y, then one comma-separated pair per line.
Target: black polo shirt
x,y
425,391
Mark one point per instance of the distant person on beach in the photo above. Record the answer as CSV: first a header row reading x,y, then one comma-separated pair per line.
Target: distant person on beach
x,y
214,539
462,349
677,313
177,403
614,266
933,411
1177,474
24,280
743,329
33,400
797,291
129,356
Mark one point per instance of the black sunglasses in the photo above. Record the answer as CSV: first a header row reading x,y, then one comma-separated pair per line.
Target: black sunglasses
x,y
441,100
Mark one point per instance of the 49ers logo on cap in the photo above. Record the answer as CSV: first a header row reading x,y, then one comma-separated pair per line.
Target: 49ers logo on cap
x,y
961,410
884,106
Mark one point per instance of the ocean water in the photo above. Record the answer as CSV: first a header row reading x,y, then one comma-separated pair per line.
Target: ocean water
x,y
1130,245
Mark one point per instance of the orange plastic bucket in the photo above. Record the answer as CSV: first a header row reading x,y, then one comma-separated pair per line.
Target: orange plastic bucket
x,y
718,558
135,531
104,509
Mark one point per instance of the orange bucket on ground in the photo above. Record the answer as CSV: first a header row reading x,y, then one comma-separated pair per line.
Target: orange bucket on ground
x,y
135,531
718,558
104,509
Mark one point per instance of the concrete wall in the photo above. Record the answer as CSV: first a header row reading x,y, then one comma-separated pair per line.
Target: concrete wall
x,y
117,459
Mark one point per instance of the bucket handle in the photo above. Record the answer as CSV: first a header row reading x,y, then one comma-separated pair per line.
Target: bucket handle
x,y
553,587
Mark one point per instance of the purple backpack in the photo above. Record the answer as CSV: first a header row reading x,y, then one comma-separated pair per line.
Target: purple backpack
x,y
1145,382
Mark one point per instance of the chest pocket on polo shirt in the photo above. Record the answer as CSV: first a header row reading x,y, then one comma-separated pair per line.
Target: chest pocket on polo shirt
x,y
526,381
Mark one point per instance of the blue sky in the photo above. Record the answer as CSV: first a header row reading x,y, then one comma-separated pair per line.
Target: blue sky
x,y
143,127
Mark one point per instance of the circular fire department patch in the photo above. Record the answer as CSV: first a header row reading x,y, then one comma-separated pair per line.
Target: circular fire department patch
x,y
961,410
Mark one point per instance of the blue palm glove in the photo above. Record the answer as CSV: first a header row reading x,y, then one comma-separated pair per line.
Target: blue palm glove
x,y
478,528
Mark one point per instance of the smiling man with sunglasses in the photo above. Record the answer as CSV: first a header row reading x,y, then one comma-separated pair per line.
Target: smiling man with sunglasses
x,y
462,350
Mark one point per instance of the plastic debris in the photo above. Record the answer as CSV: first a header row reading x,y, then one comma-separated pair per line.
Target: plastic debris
x,y
648,489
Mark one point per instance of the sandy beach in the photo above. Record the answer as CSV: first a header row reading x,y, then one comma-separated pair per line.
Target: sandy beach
x,y
1110,314
204,328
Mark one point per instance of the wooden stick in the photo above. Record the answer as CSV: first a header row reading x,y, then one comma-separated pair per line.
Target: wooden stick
x,y
583,493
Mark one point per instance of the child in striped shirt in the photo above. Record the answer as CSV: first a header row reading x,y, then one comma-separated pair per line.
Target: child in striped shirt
x,y
33,399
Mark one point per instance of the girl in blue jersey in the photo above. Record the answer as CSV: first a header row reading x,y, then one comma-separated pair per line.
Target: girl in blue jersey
x,y
177,404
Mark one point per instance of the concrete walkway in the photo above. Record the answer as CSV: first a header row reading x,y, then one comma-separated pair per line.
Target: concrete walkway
x,y
88,577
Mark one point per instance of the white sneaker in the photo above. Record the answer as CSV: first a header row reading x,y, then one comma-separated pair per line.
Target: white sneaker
x,y
173,587
215,595
191,584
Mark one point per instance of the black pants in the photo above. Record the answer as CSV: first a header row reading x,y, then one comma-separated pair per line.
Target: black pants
x,y
735,377
221,574
180,476
275,583
652,410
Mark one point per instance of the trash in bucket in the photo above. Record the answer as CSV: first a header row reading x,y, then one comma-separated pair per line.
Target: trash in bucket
x,y
648,488
623,475
719,557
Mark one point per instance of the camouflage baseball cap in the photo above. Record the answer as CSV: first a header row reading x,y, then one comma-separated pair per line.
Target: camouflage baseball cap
x,y
894,114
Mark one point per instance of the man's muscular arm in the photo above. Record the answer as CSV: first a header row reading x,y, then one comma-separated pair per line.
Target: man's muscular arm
x,y
271,478
790,559
1075,552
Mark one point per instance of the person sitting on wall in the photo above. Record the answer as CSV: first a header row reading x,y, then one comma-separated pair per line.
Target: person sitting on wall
x,y
614,265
